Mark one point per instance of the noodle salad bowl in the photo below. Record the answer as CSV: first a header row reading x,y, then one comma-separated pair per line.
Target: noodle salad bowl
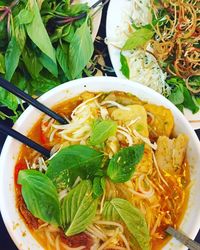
x,y
24,237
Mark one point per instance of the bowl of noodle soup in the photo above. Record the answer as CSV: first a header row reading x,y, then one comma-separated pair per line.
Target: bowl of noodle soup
x,y
123,169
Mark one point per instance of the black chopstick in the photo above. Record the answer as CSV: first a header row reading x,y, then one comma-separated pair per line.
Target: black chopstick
x,y
27,98
25,140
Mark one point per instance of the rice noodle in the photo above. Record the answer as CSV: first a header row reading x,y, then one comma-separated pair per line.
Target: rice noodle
x,y
125,241
145,139
115,104
106,243
127,135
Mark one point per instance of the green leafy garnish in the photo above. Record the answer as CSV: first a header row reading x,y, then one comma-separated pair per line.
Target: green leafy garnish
x,y
71,162
39,35
78,209
122,165
138,39
188,101
177,96
40,196
120,209
43,41
2,64
98,186
124,66
80,50
12,56
181,96
102,130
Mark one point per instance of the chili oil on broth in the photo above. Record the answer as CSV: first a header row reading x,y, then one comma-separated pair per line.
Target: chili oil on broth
x,y
146,175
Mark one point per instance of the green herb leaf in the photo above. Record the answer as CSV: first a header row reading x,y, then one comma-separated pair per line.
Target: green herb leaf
x,y
175,81
8,99
80,50
2,64
124,66
102,130
49,64
20,33
177,96
12,56
132,217
25,16
71,162
98,186
40,196
78,209
39,37
122,165
32,62
188,101
62,57
138,39
42,84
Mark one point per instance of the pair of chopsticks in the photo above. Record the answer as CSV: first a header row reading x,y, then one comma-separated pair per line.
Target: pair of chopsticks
x,y
27,98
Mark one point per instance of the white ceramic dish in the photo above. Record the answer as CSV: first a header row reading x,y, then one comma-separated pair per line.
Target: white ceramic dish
x,y
12,220
115,18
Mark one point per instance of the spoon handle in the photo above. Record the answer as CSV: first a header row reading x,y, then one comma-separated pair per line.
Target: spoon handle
x,y
191,244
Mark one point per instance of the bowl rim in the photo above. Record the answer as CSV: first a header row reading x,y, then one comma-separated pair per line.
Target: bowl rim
x,y
64,87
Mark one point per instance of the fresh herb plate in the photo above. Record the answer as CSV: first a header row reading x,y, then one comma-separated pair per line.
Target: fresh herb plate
x,y
116,18
59,50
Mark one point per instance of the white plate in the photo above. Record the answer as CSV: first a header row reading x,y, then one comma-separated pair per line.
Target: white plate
x,y
115,18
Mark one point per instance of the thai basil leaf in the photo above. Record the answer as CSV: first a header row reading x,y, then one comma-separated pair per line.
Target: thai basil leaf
x,y
40,196
120,209
8,99
124,66
12,56
3,33
71,162
80,50
78,209
37,32
62,57
19,80
68,33
98,186
2,64
32,62
138,39
42,84
49,64
122,165
25,16
20,33
102,130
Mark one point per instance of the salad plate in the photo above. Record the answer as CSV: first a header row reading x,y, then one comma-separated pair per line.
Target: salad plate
x,y
117,30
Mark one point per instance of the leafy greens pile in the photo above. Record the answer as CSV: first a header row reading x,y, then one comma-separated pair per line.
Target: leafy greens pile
x,y
76,211
43,43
